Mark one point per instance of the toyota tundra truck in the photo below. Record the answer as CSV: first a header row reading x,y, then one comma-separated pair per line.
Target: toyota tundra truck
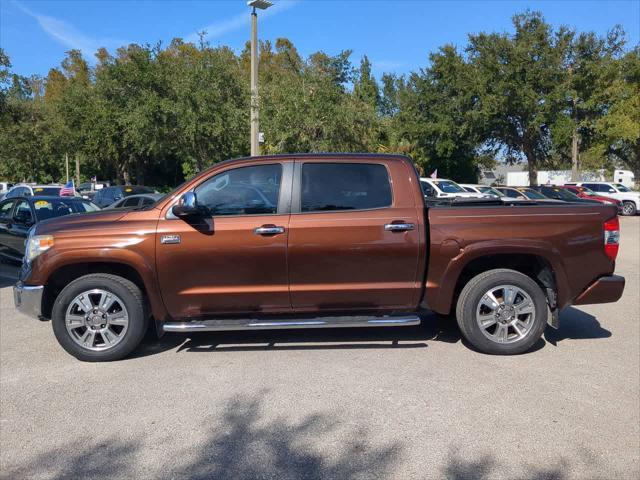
x,y
315,241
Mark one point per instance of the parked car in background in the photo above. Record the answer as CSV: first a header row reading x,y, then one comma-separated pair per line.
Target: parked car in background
x,y
4,188
443,188
88,190
245,246
107,196
630,199
521,193
26,190
584,192
136,201
18,215
484,189
557,193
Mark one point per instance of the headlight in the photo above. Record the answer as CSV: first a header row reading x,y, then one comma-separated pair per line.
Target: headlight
x,y
37,244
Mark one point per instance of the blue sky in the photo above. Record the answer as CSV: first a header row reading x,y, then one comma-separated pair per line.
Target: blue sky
x,y
397,36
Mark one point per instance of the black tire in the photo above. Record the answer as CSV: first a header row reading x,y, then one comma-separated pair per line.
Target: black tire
x,y
127,291
473,292
629,209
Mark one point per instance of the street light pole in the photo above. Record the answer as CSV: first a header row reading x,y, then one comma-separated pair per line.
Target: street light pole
x,y
255,101
255,146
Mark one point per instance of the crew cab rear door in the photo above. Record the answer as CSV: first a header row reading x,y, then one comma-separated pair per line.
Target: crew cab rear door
x,y
354,241
234,259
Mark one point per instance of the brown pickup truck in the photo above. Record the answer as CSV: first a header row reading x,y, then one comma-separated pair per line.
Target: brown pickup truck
x,y
314,241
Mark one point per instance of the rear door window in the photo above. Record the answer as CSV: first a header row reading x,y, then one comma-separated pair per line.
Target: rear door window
x,y
344,186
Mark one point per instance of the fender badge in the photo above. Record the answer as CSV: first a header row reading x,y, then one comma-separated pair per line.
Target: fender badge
x,y
170,239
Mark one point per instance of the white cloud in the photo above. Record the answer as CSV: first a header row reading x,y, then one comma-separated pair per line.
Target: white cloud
x,y
68,35
221,27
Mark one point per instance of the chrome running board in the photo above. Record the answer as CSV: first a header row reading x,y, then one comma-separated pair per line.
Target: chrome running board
x,y
321,322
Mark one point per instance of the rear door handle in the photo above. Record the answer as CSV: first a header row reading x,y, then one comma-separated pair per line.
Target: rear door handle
x,y
268,230
399,227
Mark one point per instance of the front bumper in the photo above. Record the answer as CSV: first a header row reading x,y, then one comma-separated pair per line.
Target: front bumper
x,y
28,299
604,290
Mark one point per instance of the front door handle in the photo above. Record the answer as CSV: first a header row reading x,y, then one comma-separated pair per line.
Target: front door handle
x,y
268,230
399,227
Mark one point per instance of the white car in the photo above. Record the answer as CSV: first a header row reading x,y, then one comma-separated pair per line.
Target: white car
x,y
630,199
484,189
443,188
29,190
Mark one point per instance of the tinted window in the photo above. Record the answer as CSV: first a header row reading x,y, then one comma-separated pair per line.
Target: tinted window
x,y
427,189
469,189
596,187
344,186
5,210
57,208
130,202
49,191
621,188
533,194
511,193
22,213
147,201
18,192
449,187
133,190
242,191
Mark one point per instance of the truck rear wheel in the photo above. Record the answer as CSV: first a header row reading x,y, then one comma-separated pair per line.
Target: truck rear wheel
x,y
502,312
99,317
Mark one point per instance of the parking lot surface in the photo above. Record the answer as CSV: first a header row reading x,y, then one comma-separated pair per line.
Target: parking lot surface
x,y
403,403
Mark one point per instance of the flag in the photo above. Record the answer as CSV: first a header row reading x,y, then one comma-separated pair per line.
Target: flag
x,y
68,190
435,173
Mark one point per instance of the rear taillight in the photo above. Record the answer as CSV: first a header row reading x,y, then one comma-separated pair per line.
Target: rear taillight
x,y
612,237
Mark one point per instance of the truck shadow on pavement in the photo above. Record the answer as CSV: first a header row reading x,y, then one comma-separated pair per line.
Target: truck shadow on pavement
x,y
574,324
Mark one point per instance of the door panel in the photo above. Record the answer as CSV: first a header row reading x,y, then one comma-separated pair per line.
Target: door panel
x,y
6,209
347,260
221,265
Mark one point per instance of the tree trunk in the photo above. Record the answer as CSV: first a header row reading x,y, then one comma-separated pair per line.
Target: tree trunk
x,y
575,157
532,165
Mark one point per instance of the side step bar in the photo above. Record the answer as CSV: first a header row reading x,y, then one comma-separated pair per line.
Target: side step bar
x,y
321,322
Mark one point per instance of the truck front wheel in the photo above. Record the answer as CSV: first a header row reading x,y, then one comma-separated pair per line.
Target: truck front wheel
x,y
99,317
502,312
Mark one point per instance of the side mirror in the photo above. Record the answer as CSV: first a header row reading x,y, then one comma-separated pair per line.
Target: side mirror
x,y
187,206
611,190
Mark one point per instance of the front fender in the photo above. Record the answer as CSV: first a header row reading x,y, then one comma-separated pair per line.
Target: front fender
x,y
51,262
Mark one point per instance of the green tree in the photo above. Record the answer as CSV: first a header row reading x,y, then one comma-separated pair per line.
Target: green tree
x,y
518,82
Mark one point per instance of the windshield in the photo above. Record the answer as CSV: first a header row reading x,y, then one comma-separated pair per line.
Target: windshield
x,y
53,191
621,188
532,194
51,208
491,191
447,186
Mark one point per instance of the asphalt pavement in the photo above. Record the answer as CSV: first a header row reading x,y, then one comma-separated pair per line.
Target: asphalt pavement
x,y
401,403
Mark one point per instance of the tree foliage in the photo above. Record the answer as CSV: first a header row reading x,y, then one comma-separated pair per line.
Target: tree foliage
x,y
154,114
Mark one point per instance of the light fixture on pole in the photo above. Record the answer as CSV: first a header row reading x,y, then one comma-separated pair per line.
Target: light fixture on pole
x,y
262,5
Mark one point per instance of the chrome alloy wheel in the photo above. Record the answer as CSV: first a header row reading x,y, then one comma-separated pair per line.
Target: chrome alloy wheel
x,y
505,314
628,208
97,319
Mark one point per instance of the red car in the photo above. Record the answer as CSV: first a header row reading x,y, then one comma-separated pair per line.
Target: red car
x,y
584,192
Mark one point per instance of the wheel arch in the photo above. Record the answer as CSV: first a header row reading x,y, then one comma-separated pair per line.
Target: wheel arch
x,y
541,265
